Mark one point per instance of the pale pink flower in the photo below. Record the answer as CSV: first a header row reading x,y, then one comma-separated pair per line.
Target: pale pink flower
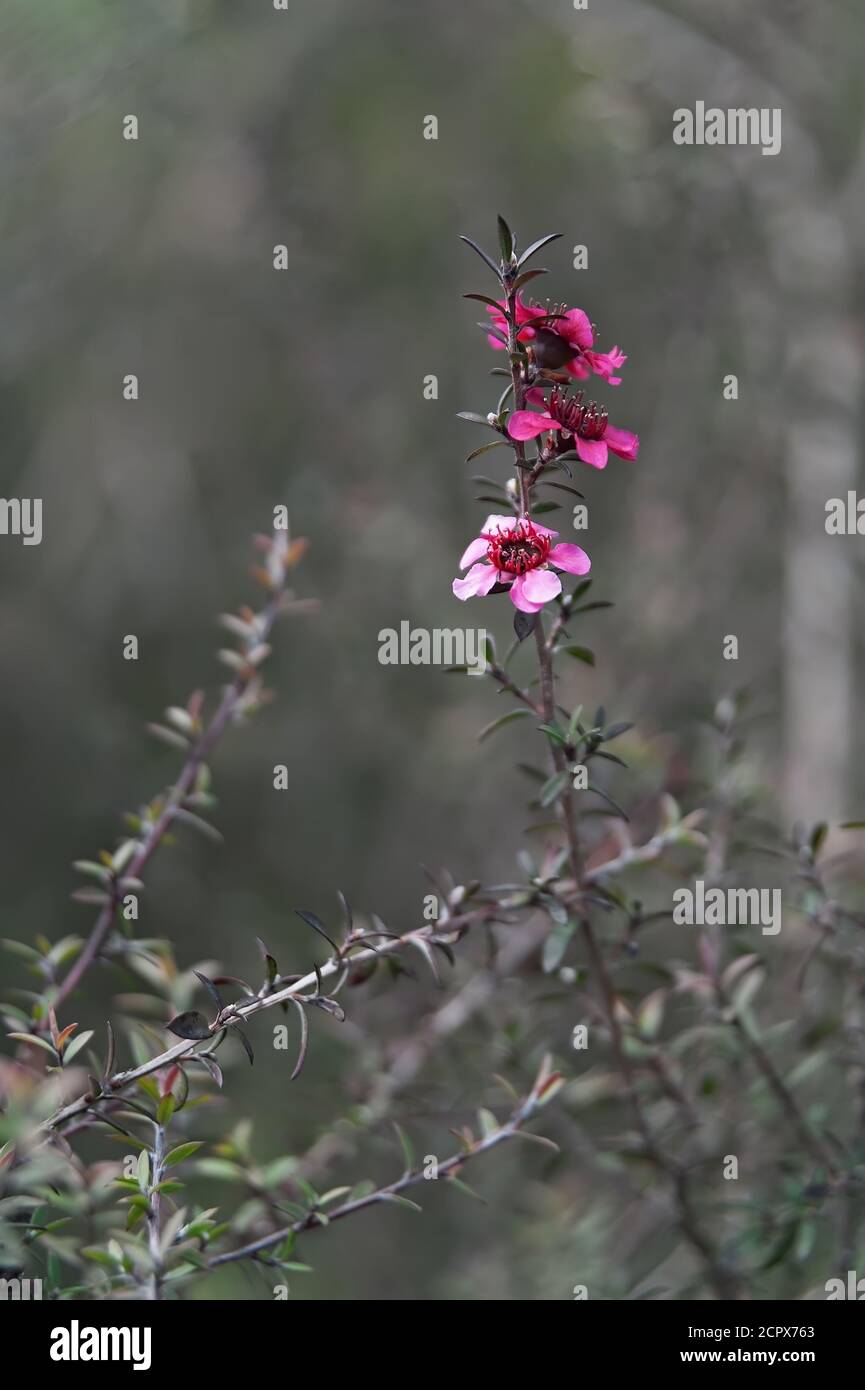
x,y
517,552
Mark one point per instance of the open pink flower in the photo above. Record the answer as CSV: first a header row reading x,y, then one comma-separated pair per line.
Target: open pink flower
x,y
565,342
518,552
589,427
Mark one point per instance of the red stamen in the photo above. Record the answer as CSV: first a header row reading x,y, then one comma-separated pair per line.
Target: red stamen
x,y
585,420
518,548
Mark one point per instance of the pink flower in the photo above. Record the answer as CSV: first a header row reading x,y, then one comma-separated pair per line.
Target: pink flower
x,y
517,552
565,341
592,434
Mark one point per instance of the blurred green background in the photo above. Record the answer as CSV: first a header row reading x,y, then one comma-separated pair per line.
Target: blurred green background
x,y
305,387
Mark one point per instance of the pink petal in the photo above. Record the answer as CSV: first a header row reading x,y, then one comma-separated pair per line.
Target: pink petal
x,y
498,523
570,558
527,312
575,328
527,424
479,580
519,598
535,395
605,363
622,442
474,552
578,368
507,523
539,586
593,451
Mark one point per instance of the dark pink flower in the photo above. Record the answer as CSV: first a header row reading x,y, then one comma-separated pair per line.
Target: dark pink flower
x,y
518,552
565,342
592,434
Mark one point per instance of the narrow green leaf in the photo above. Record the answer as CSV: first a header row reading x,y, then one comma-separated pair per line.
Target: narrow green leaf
x,y
399,1201
406,1145
181,1152
580,654
553,788
501,721
537,246
144,1170
317,925
506,240
76,1045
483,255
464,1187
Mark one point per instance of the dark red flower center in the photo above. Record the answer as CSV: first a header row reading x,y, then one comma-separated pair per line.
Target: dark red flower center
x,y
551,348
519,548
585,420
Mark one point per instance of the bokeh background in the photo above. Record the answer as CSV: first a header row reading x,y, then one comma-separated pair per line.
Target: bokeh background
x,y
305,387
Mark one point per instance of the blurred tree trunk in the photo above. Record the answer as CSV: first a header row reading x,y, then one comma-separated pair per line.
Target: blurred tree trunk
x,y
756,58
823,371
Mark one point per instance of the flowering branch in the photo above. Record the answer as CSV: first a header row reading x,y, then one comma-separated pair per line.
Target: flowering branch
x,y
561,890
516,554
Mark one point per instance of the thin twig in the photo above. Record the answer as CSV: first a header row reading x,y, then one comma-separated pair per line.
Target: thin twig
x,y
450,1166
237,1013
182,788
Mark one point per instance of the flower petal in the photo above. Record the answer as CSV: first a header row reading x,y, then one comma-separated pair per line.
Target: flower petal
x,y
479,580
605,363
498,523
474,551
527,424
570,558
525,314
622,442
575,327
593,451
539,586
519,598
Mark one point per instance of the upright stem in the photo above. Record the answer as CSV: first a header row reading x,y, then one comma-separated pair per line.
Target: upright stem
x,y
722,1281
157,1158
